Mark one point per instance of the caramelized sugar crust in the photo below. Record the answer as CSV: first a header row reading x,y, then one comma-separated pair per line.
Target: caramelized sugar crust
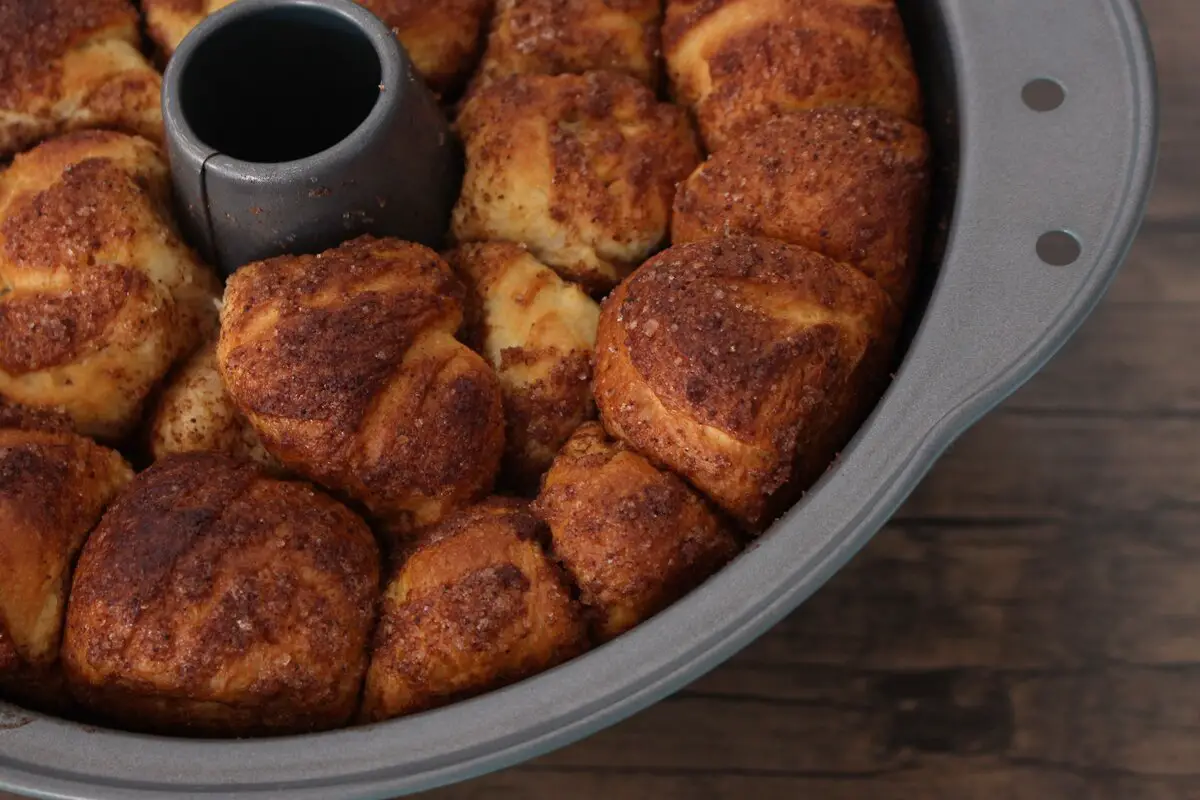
x,y
347,366
443,38
581,169
66,65
553,37
850,183
214,601
633,537
743,365
739,63
99,296
477,605
539,333
54,485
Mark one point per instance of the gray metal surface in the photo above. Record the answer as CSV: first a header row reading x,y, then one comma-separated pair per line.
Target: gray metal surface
x,y
996,314
236,211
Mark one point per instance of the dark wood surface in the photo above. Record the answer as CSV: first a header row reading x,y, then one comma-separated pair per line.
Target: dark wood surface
x,y
1029,626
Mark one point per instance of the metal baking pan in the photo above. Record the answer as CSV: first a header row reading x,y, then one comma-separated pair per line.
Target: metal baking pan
x,y
995,312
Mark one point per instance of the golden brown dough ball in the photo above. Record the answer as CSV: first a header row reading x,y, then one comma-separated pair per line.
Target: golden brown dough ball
x,y
633,538
849,183
442,37
581,169
54,485
212,600
169,21
346,365
195,414
554,37
72,64
743,365
739,63
477,605
539,332
102,294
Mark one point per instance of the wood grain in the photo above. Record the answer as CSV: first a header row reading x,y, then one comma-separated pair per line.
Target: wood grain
x,y
1029,625
1175,30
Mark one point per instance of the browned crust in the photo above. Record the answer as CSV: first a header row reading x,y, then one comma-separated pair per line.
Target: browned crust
x,y
851,184
49,230
321,360
41,331
732,360
85,51
169,21
554,37
443,38
54,486
482,266
477,605
739,63
14,416
541,417
100,296
581,169
539,333
212,600
36,33
347,367
633,538
195,413
182,6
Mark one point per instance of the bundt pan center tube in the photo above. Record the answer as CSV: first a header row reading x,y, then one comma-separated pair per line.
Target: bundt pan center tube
x,y
1044,127
294,125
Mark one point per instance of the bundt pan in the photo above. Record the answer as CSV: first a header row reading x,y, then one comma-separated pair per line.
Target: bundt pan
x,y
1043,120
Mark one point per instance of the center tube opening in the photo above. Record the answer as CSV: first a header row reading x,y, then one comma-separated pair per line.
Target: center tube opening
x,y
280,85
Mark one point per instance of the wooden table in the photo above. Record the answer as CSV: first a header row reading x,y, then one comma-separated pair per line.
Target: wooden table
x,y
1029,627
